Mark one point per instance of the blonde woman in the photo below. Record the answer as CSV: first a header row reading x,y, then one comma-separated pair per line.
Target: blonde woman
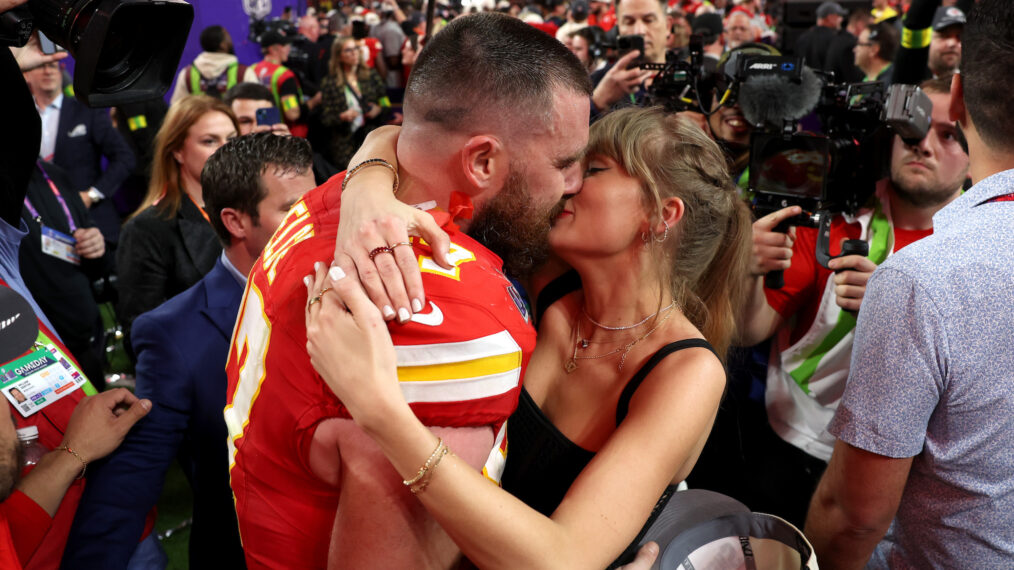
x,y
627,374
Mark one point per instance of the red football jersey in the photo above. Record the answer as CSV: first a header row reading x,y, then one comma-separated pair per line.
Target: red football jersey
x,y
460,364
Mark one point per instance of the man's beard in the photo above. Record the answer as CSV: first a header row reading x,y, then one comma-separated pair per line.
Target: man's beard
x,y
514,227
923,195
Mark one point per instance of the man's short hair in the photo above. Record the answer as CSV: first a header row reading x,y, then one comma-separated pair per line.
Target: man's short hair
x,y
254,91
987,71
885,35
232,176
212,38
939,85
490,63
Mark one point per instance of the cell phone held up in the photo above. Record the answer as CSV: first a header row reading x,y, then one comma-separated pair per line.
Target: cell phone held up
x,y
268,116
627,44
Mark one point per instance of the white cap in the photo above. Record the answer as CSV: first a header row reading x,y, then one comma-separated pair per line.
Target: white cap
x,y
30,432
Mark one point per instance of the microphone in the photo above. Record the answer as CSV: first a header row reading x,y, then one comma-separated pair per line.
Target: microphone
x,y
772,98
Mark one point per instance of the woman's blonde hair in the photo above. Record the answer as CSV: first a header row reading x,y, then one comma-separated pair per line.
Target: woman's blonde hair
x,y
335,65
164,186
704,257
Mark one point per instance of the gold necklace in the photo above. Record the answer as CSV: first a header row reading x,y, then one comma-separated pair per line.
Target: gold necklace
x,y
571,364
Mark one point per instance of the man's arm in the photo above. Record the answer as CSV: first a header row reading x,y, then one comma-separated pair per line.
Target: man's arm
x,y
111,145
854,504
111,515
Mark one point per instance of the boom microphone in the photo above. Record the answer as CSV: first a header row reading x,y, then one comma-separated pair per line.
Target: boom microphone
x,y
773,98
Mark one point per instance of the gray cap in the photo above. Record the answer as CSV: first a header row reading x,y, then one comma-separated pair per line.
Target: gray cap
x,y
947,16
828,8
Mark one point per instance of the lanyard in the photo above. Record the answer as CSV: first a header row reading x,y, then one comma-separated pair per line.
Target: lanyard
x,y
59,197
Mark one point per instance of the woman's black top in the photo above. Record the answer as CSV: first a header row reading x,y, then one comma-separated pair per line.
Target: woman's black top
x,y
542,463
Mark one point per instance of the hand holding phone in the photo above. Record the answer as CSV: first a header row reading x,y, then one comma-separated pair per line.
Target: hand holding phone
x,y
268,116
627,44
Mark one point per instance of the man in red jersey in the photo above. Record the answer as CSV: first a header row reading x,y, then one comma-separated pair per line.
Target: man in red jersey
x,y
482,129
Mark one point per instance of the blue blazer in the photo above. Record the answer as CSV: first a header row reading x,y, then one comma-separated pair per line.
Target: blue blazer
x,y
182,347
81,156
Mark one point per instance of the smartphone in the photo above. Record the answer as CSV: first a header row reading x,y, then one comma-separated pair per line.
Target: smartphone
x,y
268,116
627,44
47,46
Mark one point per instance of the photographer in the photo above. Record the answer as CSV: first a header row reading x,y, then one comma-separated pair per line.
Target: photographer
x,y
623,84
812,318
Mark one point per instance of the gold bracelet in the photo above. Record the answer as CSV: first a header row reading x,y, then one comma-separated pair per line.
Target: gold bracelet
x,y
426,466
421,485
84,464
367,163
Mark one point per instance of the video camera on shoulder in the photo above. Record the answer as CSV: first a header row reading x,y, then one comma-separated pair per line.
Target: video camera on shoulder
x,y
826,174
125,50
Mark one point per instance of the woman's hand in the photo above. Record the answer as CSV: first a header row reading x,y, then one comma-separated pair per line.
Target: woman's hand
x,y
371,217
349,116
349,344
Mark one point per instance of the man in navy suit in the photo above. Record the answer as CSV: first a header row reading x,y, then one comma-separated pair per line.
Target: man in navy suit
x,y
76,138
249,186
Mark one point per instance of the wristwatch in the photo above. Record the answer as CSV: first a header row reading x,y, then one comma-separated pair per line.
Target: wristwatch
x,y
95,195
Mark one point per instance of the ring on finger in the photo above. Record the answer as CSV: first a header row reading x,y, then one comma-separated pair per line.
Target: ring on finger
x,y
400,243
314,299
379,250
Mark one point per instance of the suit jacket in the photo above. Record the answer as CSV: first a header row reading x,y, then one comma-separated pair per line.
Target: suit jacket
x,y
83,138
159,257
182,348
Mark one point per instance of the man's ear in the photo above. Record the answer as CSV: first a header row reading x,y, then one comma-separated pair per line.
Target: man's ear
x,y
484,162
236,222
957,111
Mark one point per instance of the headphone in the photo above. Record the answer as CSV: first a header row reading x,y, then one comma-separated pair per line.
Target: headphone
x,y
595,38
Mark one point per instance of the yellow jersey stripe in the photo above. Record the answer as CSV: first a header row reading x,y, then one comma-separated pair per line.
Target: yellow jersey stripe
x,y
467,369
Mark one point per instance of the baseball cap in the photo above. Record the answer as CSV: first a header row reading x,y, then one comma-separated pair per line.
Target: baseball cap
x,y
272,37
947,16
708,25
20,325
579,9
704,530
827,8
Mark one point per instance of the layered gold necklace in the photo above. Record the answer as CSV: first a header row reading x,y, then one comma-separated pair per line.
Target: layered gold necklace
x,y
581,343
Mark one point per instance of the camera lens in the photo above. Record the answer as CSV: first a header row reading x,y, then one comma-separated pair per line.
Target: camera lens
x,y
126,50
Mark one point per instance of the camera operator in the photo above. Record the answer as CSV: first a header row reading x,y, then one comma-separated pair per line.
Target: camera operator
x,y
621,84
811,318
42,504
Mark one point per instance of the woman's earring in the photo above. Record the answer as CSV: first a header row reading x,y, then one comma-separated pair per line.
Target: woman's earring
x,y
664,235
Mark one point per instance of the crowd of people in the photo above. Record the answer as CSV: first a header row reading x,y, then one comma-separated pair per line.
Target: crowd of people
x,y
491,294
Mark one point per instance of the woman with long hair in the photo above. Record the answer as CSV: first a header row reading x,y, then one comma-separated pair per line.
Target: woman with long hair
x,y
168,244
627,375
353,96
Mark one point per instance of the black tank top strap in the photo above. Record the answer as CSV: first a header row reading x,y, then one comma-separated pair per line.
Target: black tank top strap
x,y
556,289
628,392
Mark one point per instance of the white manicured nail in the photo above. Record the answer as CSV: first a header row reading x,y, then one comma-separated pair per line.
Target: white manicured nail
x,y
417,305
403,315
307,281
317,265
336,273
388,312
